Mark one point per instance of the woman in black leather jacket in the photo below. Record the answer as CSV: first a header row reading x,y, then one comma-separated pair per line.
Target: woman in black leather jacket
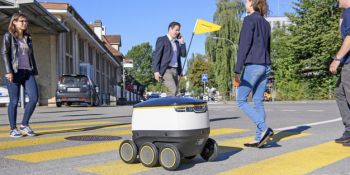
x,y
17,53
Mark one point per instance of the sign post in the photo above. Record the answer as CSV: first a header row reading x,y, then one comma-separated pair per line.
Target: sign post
x,y
204,80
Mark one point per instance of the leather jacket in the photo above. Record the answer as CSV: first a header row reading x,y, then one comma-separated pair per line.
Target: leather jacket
x,y
9,53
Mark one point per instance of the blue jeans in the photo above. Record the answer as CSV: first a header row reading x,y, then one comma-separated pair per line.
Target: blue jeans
x,y
254,79
27,80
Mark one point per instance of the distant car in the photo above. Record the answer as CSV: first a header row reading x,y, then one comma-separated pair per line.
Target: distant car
x,y
205,98
76,89
4,96
154,95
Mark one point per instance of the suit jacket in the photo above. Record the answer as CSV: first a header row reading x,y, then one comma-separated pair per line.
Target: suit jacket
x,y
254,42
164,52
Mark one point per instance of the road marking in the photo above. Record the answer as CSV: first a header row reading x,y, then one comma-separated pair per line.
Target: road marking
x,y
309,124
297,162
54,139
66,130
42,126
315,110
69,152
222,131
80,150
238,143
288,110
118,167
115,168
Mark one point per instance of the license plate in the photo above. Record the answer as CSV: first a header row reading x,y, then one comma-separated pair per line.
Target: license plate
x,y
73,99
73,89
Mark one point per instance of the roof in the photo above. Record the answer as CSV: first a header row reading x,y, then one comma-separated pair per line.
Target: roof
x,y
114,39
110,48
36,14
89,28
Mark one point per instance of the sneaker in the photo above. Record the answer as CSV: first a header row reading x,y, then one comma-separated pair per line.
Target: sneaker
x,y
15,133
346,144
27,130
266,136
342,139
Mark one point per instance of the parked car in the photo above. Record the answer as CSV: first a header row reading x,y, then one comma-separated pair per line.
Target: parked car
x,y
5,99
76,89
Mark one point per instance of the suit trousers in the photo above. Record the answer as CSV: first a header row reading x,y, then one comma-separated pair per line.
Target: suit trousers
x,y
171,81
342,94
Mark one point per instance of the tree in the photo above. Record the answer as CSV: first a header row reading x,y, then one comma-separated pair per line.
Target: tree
x,y
142,60
314,38
221,52
198,65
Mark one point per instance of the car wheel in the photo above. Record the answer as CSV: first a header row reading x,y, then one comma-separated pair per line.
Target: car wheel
x,y
58,104
96,102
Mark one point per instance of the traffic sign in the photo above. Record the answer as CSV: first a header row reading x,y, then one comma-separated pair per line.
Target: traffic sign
x,y
204,77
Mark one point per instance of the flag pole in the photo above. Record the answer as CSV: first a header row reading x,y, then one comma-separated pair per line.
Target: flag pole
x,y
183,66
188,50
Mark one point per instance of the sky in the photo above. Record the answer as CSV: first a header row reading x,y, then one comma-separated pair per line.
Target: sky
x,y
139,21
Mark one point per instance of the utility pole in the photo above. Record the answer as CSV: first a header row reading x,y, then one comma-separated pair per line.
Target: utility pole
x,y
123,94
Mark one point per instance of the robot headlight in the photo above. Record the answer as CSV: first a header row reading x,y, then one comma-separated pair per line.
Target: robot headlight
x,y
196,109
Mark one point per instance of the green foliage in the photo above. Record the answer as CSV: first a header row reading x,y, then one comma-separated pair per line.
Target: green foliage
x,y
142,57
222,52
302,52
198,65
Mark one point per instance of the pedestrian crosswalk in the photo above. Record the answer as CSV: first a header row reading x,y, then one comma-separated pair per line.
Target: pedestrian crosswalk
x,y
299,161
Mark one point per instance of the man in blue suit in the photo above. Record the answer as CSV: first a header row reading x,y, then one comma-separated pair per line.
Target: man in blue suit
x,y
166,60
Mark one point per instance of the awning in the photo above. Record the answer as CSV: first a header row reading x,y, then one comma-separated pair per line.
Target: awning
x,y
36,14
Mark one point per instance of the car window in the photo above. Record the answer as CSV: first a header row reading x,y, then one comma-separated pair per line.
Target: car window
x,y
75,80
83,81
68,80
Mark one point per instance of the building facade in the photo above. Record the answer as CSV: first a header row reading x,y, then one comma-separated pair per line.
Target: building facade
x,y
278,21
64,44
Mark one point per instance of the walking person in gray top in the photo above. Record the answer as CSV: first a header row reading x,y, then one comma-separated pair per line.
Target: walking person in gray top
x,y
18,56
342,91
166,59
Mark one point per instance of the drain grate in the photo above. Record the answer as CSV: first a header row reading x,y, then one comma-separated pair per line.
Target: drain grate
x,y
93,138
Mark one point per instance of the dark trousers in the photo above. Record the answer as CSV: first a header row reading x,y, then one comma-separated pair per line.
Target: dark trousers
x,y
342,94
27,80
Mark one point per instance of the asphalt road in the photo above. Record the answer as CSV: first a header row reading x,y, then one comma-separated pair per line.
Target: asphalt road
x,y
85,140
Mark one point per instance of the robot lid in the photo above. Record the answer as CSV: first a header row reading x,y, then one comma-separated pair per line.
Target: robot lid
x,y
170,101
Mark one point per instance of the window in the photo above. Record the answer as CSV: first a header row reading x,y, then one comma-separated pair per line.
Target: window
x,y
81,50
90,56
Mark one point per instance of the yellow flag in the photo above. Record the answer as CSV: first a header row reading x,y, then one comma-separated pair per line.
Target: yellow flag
x,y
203,26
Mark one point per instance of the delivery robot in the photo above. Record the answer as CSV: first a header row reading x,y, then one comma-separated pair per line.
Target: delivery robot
x,y
169,129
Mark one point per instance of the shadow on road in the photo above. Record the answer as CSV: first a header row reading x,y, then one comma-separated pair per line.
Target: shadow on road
x,y
223,118
52,112
225,153
70,120
80,129
284,134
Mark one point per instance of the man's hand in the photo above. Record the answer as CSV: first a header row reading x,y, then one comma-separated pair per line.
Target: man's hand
x,y
181,40
334,66
237,79
157,76
9,76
